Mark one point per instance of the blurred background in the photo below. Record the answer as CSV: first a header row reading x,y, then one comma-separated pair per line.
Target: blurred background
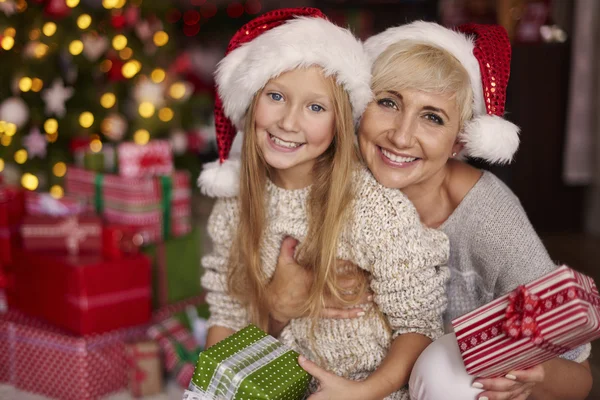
x,y
98,97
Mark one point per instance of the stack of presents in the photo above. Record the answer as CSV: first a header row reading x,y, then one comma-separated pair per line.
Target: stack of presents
x,y
94,286
100,293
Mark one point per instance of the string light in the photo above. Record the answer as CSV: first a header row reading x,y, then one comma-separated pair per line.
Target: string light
x,y
29,181
51,125
10,32
51,137
25,84
119,42
34,34
108,100
40,50
141,136
57,192
165,114
131,68
158,75
108,4
7,42
10,129
1,165
146,109
21,156
5,140
86,119
84,21
59,169
37,84
76,47
177,90
105,65
126,53
96,145
72,3
161,38
120,4
49,28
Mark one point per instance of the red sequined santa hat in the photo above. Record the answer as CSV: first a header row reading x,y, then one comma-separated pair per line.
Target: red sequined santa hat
x,y
264,48
484,51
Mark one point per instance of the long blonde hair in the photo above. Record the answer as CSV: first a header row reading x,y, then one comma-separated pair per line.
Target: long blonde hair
x,y
328,206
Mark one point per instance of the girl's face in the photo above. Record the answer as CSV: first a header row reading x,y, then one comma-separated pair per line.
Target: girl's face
x,y
294,120
407,137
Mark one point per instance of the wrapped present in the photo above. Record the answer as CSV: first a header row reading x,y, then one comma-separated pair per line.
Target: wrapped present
x,y
145,372
38,358
179,348
73,234
159,206
176,268
46,205
248,365
12,210
151,159
534,323
84,294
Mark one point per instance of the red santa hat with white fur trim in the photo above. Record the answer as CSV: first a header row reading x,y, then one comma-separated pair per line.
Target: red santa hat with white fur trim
x,y
263,49
484,51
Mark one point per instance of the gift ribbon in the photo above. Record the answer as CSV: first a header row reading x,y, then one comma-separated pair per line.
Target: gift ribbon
x,y
98,198
139,375
73,232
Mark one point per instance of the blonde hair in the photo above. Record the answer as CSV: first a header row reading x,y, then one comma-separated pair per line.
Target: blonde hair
x,y
328,206
411,64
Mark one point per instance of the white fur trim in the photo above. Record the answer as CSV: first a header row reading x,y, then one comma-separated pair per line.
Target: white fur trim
x,y
220,180
300,42
459,45
491,138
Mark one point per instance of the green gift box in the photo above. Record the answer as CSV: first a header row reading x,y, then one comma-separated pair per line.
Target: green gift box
x,y
176,268
248,365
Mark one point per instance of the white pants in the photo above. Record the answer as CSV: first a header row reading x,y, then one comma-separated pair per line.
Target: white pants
x,y
439,373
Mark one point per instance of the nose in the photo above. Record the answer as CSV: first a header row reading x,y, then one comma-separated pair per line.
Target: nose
x,y
402,134
289,119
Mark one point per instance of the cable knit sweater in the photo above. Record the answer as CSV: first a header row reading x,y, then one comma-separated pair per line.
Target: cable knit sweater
x,y
384,237
493,249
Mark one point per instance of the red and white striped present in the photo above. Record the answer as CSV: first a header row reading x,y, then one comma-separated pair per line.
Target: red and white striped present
x,y
153,158
38,358
535,323
159,206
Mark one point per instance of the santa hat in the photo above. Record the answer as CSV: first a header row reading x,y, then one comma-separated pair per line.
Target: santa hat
x,y
264,48
484,51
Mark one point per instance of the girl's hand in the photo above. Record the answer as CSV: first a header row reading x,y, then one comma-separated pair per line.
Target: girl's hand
x,y
516,385
331,386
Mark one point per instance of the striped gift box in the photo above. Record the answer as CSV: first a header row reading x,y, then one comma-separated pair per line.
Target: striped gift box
x,y
248,365
535,323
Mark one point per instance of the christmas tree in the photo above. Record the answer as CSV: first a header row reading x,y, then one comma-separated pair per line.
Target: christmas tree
x,y
80,76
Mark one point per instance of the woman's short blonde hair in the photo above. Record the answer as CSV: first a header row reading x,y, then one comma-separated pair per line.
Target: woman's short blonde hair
x,y
409,64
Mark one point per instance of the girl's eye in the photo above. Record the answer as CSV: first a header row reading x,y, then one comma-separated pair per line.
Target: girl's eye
x,y
436,119
275,96
388,103
316,108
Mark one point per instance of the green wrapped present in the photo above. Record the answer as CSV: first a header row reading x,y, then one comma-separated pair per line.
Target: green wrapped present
x,y
248,365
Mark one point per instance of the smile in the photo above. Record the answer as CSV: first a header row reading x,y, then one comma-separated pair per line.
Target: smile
x,y
395,159
284,143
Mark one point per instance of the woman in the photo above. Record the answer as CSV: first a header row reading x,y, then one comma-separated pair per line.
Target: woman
x,y
434,102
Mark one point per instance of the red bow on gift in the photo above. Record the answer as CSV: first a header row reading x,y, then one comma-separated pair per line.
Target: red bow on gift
x,y
521,313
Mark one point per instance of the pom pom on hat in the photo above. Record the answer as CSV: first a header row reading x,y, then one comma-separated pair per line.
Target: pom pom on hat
x,y
484,51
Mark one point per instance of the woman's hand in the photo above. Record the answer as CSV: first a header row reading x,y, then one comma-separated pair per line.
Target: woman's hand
x,y
333,387
290,286
516,385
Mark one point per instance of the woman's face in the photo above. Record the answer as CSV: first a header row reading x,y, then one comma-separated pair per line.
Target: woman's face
x,y
406,137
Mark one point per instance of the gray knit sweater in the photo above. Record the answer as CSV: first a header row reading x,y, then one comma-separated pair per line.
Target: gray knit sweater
x,y
493,249
384,236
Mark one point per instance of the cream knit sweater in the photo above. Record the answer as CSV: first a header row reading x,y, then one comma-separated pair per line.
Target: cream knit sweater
x,y
385,237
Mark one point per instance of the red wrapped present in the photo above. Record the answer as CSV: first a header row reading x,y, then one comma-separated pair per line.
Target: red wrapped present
x,y
38,358
85,294
46,205
12,209
73,234
145,372
535,323
158,206
179,348
151,159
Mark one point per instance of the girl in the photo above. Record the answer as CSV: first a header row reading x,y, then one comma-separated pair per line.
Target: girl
x,y
297,86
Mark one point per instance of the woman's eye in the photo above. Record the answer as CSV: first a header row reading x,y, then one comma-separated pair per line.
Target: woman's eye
x,y
316,108
275,96
436,119
388,103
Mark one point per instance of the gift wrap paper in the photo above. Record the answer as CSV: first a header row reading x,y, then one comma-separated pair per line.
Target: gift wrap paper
x,y
248,365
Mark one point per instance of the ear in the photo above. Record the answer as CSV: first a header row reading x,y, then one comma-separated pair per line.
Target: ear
x,y
458,146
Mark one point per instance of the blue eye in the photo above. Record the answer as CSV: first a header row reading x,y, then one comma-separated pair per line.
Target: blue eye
x,y
316,108
436,119
275,96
